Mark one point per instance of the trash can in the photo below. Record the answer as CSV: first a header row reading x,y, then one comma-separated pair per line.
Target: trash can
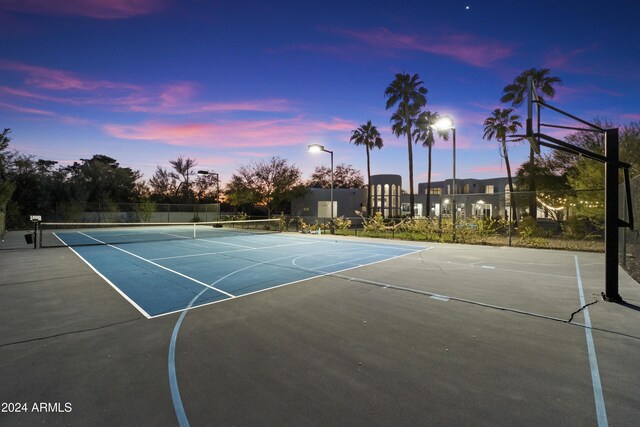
x,y
29,238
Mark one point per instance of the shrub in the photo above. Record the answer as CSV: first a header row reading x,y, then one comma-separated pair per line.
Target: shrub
x,y
342,224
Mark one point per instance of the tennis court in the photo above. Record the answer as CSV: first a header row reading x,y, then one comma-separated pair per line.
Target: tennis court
x,y
292,329
197,264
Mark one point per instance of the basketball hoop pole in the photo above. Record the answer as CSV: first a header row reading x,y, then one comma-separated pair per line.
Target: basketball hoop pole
x,y
612,164
611,235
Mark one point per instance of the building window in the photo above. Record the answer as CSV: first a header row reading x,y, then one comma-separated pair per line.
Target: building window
x,y
489,189
394,201
436,190
465,189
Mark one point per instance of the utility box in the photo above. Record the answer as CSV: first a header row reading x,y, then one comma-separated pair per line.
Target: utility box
x,y
324,209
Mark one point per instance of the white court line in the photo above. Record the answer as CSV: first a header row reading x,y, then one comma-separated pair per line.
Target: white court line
x,y
247,249
337,263
183,421
125,296
218,242
318,274
163,267
601,411
330,273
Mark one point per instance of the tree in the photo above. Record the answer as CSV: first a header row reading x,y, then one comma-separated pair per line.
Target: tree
x,y
585,176
206,187
629,141
270,184
344,176
101,179
500,124
5,155
409,94
183,170
367,135
516,93
6,187
424,133
163,185
553,187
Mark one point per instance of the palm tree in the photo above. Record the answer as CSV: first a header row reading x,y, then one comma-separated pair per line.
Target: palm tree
x,y
498,125
409,94
424,133
516,93
183,170
367,135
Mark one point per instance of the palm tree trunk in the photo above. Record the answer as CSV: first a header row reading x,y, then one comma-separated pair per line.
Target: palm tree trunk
x,y
429,185
368,183
411,195
533,210
410,146
512,203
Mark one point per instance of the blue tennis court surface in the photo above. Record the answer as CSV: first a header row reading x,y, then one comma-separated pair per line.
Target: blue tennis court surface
x,y
165,277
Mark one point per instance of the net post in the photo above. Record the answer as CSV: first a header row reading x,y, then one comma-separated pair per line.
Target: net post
x,y
611,238
35,234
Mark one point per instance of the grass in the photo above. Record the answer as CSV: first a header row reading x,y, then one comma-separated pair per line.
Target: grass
x,y
558,242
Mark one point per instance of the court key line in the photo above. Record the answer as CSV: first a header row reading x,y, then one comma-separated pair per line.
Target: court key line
x,y
183,421
173,380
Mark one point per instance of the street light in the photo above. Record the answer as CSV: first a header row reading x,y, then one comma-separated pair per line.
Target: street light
x,y
317,148
446,123
205,173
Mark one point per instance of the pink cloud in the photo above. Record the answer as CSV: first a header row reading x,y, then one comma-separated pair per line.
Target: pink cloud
x,y
251,154
26,110
100,9
494,169
467,48
171,98
177,98
557,58
53,79
631,116
262,133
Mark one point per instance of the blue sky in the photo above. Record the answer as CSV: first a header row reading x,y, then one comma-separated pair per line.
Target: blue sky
x,y
233,82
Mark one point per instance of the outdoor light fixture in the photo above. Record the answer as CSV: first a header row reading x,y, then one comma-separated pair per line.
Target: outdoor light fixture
x,y
446,123
205,173
317,148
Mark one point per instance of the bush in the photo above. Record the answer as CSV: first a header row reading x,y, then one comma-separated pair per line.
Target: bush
x,y
582,228
374,224
145,210
342,224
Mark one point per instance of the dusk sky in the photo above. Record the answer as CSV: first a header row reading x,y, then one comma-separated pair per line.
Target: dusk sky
x,y
232,82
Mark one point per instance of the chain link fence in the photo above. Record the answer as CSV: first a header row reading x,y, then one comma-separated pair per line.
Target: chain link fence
x,y
630,239
118,212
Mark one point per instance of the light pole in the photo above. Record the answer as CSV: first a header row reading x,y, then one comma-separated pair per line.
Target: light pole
x,y
317,148
446,123
217,177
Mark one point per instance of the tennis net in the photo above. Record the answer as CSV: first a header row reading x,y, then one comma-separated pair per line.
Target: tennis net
x,y
56,234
